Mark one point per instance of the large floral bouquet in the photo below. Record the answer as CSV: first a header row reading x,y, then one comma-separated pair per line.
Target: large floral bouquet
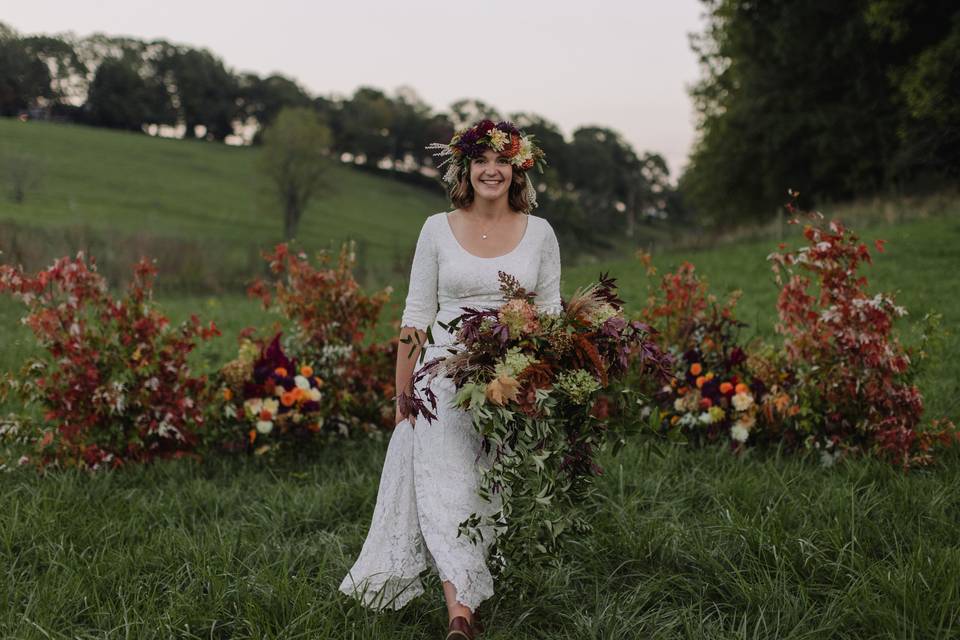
x,y
531,381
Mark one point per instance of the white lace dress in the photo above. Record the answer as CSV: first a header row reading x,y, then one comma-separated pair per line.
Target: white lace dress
x,y
430,476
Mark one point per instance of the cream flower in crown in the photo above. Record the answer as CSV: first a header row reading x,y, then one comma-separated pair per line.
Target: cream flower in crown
x,y
502,137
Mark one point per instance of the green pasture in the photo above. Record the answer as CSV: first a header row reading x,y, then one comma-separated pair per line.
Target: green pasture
x,y
690,544
697,544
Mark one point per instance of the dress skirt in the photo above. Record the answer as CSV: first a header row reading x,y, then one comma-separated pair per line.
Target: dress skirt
x,y
428,486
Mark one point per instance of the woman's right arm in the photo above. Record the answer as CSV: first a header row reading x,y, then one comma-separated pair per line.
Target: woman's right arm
x,y
419,311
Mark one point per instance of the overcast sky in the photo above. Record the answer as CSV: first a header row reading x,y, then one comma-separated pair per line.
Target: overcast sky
x,y
623,64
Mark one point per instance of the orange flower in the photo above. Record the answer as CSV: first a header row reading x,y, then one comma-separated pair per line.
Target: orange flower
x,y
674,419
319,381
700,381
252,435
742,388
280,371
725,387
265,415
706,403
288,398
681,391
306,371
696,368
227,394
314,427
513,148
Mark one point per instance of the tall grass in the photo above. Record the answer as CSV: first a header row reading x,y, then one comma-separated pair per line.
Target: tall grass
x,y
691,545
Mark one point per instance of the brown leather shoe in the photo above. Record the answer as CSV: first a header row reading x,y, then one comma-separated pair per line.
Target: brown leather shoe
x,y
460,629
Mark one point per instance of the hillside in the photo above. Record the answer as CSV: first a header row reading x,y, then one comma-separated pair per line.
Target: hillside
x,y
112,188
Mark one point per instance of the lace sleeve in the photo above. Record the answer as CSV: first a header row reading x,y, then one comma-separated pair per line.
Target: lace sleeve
x,y
421,304
548,279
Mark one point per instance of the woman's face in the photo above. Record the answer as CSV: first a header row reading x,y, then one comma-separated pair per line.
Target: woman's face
x,y
490,175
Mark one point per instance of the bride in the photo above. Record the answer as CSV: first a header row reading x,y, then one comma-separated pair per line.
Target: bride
x,y
432,469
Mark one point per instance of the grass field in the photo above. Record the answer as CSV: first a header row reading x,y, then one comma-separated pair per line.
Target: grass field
x,y
696,544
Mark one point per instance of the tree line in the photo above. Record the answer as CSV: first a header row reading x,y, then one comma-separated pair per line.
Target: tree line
x,y
833,99
596,185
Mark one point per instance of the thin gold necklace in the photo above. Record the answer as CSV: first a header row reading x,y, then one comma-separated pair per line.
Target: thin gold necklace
x,y
483,234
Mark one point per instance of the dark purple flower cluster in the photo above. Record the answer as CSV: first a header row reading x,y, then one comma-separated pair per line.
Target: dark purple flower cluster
x,y
474,140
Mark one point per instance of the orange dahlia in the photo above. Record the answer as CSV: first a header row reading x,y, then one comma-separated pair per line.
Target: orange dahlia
x,y
513,148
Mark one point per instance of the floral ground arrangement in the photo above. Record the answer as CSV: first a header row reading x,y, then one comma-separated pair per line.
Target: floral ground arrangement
x,y
112,383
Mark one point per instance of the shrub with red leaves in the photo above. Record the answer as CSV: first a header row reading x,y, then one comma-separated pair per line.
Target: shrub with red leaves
x,y
114,384
857,377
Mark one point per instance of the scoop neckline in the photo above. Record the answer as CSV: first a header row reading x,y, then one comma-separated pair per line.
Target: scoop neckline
x,y
523,238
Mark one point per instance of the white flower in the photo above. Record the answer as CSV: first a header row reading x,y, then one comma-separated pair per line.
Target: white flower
x,y
301,382
706,418
688,420
742,401
739,433
315,395
271,405
264,426
253,406
23,460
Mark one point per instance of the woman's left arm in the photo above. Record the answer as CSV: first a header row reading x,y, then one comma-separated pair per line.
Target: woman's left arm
x,y
548,279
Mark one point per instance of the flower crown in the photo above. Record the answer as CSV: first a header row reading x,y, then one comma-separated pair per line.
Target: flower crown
x,y
503,137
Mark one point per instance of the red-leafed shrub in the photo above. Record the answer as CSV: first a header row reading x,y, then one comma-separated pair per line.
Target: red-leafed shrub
x,y
856,376
114,385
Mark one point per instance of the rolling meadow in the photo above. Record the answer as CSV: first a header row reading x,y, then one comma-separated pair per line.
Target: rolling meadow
x,y
687,543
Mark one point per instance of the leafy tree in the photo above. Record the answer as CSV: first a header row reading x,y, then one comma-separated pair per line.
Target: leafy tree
x,y
67,71
205,92
294,158
924,41
366,124
121,98
794,95
261,99
24,79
